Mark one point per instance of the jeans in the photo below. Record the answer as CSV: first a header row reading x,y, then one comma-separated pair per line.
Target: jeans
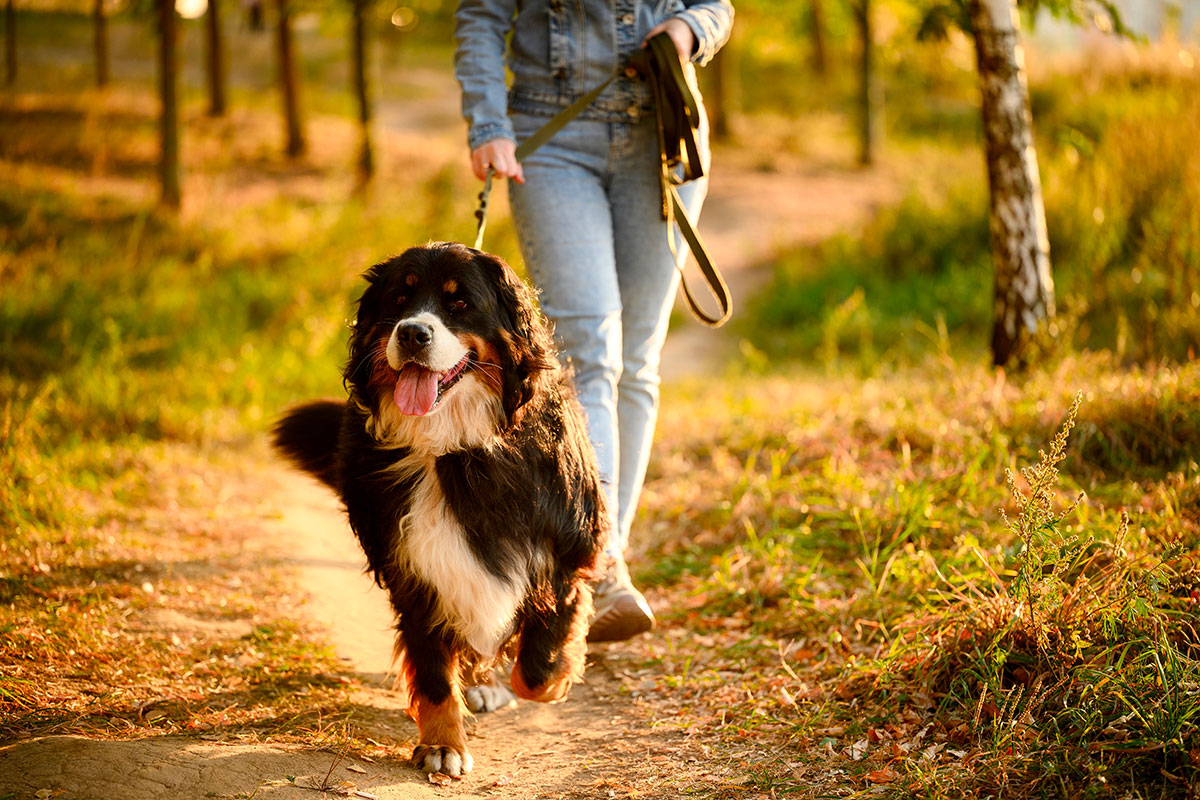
x,y
594,241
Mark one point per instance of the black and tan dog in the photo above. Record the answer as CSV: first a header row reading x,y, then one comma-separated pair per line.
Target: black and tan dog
x,y
463,461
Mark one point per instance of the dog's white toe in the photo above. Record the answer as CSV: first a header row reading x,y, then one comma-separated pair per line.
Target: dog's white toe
x,y
482,699
445,760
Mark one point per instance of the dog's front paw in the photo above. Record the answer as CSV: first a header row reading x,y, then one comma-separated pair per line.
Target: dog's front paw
x,y
442,758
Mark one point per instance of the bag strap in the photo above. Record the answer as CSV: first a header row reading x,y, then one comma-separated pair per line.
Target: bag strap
x,y
677,117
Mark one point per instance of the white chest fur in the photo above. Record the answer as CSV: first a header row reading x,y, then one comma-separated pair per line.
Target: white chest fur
x,y
475,603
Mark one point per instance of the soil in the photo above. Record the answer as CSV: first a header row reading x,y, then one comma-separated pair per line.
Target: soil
x,y
605,740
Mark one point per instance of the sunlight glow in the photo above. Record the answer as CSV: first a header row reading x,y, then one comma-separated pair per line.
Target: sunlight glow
x,y
404,18
191,9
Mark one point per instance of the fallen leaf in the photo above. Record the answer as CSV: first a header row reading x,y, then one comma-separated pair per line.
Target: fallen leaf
x,y
884,775
439,779
356,768
857,750
503,780
929,752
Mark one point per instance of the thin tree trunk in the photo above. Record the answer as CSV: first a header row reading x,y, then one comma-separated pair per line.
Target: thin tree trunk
x,y
820,53
100,42
289,83
1024,288
215,54
720,99
168,69
10,43
869,103
366,161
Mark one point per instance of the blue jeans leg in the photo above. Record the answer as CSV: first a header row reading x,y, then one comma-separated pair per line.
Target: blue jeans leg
x,y
595,245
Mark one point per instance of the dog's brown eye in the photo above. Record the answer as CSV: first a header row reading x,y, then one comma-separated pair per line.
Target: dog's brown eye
x,y
458,305
401,299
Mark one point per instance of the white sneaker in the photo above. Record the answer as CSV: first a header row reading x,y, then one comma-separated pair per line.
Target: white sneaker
x,y
621,612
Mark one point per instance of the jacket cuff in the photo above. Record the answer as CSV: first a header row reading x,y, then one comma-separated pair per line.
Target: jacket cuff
x,y
482,134
710,35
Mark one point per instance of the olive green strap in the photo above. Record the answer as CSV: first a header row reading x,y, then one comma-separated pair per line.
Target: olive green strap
x,y
677,115
716,283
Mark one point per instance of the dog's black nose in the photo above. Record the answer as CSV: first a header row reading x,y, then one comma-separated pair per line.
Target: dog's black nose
x,y
414,334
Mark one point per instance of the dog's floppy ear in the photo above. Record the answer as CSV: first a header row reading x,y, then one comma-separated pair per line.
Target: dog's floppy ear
x,y
526,354
364,329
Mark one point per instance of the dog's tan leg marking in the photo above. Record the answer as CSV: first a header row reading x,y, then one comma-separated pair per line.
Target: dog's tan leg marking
x,y
443,739
570,661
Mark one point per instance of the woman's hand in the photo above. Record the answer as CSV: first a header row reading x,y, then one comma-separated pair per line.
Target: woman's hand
x,y
681,35
501,156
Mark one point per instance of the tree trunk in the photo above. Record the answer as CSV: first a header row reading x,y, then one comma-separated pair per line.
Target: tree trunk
x,y
720,99
1024,289
869,103
168,69
215,53
820,53
10,43
366,161
289,83
100,42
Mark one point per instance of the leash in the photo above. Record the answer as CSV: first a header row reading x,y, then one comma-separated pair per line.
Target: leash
x,y
677,117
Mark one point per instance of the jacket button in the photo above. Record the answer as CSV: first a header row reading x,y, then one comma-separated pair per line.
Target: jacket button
x,y
627,19
630,72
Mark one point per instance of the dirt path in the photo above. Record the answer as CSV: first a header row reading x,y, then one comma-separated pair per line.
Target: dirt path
x,y
606,739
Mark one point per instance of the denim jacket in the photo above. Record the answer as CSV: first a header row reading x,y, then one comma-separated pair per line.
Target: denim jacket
x,y
559,50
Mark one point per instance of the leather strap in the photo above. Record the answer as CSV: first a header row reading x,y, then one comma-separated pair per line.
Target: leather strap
x,y
677,118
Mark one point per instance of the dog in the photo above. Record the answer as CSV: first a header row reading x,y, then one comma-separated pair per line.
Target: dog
x,y
462,458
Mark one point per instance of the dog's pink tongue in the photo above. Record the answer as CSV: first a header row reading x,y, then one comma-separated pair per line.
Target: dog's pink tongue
x,y
416,390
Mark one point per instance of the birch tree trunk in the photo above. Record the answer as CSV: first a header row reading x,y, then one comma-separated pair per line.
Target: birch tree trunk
x,y
100,42
366,159
288,82
215,53
1024,289
168,69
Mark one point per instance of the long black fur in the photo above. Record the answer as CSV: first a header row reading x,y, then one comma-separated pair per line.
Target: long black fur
x,y
308,437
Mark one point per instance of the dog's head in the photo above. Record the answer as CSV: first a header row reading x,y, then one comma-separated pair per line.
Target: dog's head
x,y
445,333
